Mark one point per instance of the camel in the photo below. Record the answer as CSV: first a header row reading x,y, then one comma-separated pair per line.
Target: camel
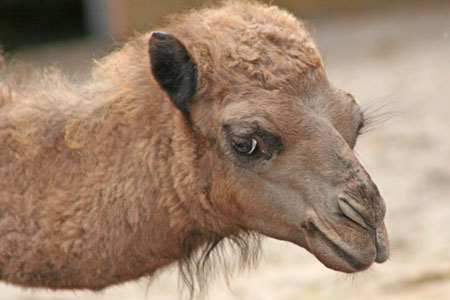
x,y
219,126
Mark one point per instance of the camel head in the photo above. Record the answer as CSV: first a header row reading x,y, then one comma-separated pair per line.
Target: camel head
x,y
276,138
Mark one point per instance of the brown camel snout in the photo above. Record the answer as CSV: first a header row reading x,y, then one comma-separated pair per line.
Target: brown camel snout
x,y
356,236
346,230
369,218
354,239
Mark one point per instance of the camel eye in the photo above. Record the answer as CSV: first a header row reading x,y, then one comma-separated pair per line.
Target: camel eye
x,y
244,146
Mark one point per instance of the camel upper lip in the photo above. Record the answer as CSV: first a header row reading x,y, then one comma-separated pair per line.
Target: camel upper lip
x,y
382,244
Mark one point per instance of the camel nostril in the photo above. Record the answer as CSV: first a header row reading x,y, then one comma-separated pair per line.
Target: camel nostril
x,y
352,213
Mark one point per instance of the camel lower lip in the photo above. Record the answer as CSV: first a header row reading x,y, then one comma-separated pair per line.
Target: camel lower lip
x,y
354,263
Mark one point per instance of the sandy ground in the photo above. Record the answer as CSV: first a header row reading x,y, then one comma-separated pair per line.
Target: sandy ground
x,y
400,57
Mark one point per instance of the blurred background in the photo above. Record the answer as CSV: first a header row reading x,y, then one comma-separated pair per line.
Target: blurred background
x,y
394,56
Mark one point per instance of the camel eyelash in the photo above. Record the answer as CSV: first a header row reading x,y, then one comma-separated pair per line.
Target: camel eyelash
x,y
376,114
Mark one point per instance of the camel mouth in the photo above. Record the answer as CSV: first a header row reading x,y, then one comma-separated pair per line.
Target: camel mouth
x,y
334,256
339,251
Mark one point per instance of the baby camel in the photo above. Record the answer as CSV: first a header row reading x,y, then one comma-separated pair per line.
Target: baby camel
x,y
220,125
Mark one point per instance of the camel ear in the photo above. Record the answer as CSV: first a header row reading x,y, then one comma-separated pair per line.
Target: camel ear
x,y
173,68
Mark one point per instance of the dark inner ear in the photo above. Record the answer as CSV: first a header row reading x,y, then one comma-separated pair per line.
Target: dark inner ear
x,y
173,68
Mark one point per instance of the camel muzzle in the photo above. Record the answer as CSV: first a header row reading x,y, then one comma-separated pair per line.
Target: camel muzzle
x,y
370,219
